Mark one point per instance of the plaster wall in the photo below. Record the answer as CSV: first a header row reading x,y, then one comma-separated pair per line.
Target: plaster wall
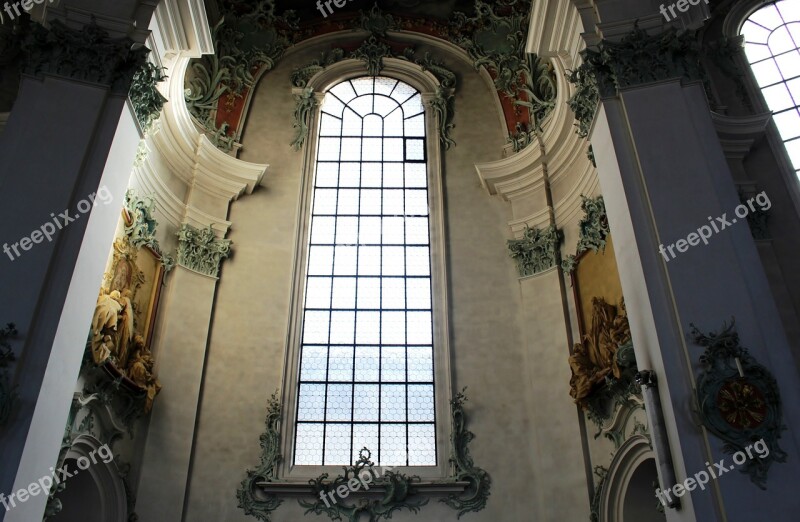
x,y
492,340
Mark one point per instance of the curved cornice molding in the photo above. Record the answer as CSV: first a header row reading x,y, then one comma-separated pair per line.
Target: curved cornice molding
x,y
554,33
518,179
181,149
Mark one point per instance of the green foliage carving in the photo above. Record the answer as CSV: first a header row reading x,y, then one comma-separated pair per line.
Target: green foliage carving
x,y
142,230
146,100
246,42
739,409
537,250
594,231
397,496
477,494
391,492
251,499
201,250
305,104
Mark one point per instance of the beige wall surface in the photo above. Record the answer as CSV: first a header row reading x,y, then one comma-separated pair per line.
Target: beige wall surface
x,y
248,337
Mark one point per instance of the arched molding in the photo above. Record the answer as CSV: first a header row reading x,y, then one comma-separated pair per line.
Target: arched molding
x,y
106,477
403,70
633,453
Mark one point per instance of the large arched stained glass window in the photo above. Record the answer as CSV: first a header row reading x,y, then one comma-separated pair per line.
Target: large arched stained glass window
x,y
366,363
772,42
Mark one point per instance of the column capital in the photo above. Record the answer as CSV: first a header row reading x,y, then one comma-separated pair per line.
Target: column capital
x,y
638,58
201,250
88,55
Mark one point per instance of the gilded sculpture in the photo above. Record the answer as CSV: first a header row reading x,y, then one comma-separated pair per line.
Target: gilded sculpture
x,y
594,359
116,332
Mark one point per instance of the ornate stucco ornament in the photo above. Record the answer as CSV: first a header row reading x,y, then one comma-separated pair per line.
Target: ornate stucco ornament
x,y
477,494
201,250
146,100
738,400
495,38
305,103
89,55
593,228
392,491
536,251
251,499
8,395
142,230
245,43
641,58
398,495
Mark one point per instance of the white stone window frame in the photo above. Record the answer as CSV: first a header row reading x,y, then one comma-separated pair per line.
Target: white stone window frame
x,y
426,83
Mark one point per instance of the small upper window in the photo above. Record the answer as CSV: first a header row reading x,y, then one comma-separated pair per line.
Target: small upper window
x,y
366,366
772,42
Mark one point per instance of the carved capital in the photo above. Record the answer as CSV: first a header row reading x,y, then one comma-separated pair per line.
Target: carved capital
x,y
536,251
639,58
90,55
201,250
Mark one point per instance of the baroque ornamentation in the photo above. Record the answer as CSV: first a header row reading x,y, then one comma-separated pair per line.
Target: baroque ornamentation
x,y
474,499
601,473
399,491
603,364
8,395
201,250
142,229
641,58
116,337
247,40
89,55
593,228
739,400
495,38
146,100
537,250
305,103
104,411
251,499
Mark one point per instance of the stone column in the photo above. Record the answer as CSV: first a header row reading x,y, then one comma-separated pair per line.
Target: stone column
x,y
663,173
69,139
182,342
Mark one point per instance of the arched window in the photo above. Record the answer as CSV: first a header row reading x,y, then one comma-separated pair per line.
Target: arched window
x,y
772,42
366,358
